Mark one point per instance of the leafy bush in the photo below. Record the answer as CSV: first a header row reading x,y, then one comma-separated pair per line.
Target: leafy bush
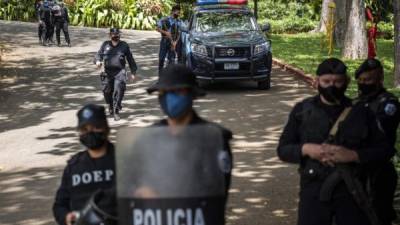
x,y
136,14
287,17
386,30
22,10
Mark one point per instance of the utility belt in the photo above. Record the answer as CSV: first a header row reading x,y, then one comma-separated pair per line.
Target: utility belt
x,y
314,171
110,73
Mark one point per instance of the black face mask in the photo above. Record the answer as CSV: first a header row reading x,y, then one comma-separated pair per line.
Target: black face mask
x,y
367,89
115,38
332,94
93,140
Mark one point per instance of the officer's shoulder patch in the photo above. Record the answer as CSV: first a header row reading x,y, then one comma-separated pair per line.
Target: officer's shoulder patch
x,y
390,109
224,162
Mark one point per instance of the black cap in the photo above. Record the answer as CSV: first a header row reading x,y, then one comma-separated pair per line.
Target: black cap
x,y
92,114
369,65
332,66
114,30
177,76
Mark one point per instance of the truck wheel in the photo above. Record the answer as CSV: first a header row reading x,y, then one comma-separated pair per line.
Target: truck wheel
x,y
265,84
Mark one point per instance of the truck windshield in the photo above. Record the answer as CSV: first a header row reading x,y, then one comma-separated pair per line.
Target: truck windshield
x,y
224,22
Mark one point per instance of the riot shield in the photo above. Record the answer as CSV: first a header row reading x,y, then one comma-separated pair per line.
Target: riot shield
x,y
171,177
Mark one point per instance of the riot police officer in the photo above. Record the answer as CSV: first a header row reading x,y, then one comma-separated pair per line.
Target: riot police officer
x,y
115,53
170,43
177,89
333,140
87,171
386,107
61,21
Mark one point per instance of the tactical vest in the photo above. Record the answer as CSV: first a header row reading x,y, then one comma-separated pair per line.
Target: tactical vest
x,y
315,126
114,56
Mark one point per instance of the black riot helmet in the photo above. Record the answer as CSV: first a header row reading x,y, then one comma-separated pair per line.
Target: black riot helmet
x,y
114,30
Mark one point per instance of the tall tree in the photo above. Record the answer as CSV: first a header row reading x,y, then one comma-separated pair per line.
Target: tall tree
x,y
341,17
324,16
355,42
396,12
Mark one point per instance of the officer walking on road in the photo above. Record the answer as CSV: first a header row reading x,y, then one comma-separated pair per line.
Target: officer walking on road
x,y
177,89
89,170
386,107
114,54
61,21
170,43
333,141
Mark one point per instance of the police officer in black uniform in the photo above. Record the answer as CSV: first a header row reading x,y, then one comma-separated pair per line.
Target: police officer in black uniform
x,y
386,107
46,19
61,21
177,89
171,43
87,171
115,53
38,5
306,141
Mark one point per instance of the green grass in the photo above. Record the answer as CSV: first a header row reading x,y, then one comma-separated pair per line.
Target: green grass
x,y
304,51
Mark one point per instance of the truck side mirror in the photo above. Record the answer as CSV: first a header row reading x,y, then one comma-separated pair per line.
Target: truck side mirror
x,y
266,27
184,27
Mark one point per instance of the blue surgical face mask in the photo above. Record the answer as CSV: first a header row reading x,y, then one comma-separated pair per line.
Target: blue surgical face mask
x,y
175,105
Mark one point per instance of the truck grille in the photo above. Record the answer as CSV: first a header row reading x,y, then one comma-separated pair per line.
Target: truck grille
x,y
232,52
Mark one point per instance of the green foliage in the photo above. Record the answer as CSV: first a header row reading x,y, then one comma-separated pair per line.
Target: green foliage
x,y
304,51
136,14
386,30
22,10
288,16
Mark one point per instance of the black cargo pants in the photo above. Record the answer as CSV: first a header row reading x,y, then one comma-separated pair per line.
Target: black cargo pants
x,y
114,87
340,210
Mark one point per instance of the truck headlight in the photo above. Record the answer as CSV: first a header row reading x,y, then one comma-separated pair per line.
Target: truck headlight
x,y
199,49
261,48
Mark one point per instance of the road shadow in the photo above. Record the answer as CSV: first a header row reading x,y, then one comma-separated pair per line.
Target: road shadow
x,y
37,88
26,196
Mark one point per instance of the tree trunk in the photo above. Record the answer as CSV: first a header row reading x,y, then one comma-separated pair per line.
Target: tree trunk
x,y
396,11
341,22
355,42
324,16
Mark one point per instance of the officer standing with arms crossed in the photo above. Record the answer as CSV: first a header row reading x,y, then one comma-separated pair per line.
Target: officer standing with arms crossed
x,y
89,170
61,21
177,89
169,28
324,136
115,53
386,107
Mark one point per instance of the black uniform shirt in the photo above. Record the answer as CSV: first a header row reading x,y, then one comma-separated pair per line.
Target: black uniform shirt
x,y
114,57
81,178
359,131
387,110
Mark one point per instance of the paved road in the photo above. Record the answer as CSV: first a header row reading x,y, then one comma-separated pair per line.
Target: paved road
x,y
41,88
